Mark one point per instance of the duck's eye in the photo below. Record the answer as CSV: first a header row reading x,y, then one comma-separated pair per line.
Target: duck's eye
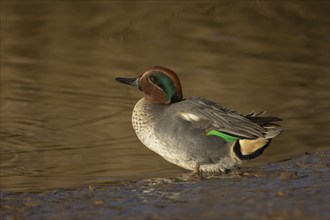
x,y
153,79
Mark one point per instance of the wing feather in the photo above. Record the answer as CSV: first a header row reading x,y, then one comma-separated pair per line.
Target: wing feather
x,y
212,116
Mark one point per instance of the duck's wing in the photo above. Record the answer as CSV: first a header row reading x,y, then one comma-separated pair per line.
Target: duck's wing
x,y
212,117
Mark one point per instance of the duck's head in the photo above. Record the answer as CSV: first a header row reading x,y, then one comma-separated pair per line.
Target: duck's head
x,y
158,84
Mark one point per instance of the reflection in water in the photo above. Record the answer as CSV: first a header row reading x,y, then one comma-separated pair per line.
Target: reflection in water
x,y
66,122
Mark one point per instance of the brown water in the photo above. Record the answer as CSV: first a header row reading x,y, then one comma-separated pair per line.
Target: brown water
x,y
65,122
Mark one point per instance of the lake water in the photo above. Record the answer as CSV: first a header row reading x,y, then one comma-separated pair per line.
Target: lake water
x,y
65,121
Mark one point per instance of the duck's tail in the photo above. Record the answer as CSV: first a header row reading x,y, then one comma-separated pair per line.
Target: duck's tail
x,y
272,129
247,149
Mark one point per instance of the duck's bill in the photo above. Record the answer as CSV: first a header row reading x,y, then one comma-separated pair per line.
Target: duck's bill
x,y
129,81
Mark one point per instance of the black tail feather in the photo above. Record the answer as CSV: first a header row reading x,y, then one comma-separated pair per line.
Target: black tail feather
x,y
263,120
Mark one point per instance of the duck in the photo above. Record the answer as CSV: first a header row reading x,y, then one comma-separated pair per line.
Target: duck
x,y
195,133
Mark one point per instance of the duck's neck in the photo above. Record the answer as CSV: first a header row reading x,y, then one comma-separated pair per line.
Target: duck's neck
x,y
146,113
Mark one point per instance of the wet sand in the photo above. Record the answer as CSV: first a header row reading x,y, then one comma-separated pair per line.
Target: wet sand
x,y
292,189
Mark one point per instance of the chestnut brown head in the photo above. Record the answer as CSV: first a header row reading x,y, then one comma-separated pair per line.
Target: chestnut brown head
x,y
158,84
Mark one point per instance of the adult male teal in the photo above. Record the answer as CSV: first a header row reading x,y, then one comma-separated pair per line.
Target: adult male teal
x,y
195,133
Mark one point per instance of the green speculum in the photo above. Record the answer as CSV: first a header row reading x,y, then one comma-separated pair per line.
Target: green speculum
x,y
225,137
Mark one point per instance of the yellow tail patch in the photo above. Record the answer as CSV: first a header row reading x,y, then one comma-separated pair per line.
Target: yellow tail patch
x,y
251,146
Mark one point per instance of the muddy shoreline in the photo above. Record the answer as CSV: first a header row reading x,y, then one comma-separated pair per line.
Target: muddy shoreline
x,y
293,189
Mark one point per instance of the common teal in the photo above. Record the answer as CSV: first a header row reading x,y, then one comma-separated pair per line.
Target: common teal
x,y
195,133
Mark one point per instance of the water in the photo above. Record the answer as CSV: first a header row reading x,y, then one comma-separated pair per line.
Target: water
x,y
65,122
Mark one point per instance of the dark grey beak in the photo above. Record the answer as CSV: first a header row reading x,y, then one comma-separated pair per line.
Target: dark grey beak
x,y
129,81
